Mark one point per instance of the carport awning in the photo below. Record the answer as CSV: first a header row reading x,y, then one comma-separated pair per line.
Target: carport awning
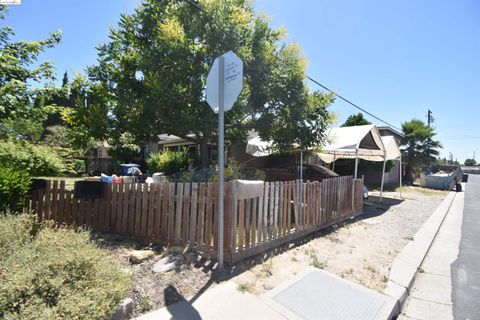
x,y
363,142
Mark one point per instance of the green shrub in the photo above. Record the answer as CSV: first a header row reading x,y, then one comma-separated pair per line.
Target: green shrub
x,y
169,162
16,232
14,187
38,160
233,171
72,165
56,273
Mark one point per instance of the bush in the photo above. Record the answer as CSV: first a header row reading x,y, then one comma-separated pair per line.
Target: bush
x,y
169,162
233,171
38,160
55,273
72,165
14,187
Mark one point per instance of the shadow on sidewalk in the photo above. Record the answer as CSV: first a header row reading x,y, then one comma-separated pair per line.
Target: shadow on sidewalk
x,y
183,309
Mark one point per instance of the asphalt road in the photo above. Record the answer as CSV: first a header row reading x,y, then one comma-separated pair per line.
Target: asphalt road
x,y
466,269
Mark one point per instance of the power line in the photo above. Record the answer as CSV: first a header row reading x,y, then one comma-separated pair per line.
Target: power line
x,y
351,103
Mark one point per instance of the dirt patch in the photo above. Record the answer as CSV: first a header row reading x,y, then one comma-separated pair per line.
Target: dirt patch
x,y
360,250
192,275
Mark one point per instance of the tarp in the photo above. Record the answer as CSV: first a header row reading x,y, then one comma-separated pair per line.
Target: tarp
x,y
363,142
391,147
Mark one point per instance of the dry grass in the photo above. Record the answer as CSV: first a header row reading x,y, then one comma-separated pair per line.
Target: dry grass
x,y
425,191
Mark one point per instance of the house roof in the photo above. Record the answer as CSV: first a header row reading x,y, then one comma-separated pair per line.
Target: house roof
x,y
389,131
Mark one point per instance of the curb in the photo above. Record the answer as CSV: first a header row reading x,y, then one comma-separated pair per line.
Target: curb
x,y
407,262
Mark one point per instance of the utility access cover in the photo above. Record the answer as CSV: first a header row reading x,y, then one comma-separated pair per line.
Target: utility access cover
x,y
319,295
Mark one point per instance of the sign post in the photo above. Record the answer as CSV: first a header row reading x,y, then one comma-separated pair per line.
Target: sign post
x,y
224,84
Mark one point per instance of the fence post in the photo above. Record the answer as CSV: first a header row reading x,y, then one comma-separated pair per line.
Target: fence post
x,y
353,195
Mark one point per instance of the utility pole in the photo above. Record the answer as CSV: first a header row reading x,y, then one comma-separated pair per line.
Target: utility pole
x,y
429,117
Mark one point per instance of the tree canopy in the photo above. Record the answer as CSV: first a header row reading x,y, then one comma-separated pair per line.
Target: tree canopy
x,y
19,68
355,120
470,162
154,69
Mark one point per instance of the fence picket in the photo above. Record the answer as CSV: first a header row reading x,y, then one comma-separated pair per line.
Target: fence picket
x,y
68,206
127,222
158,187
234,216
61,203
193,213
253,237
119,204
46,204
107,208
152,194
208,219
171,212
265,211
215,217
54,201
138,209
161,209
228,230
260,217
248,214
201,214
187,213
241,223
178,214
144,212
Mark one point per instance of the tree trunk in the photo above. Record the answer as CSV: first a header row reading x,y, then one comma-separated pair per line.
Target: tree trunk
x,y
204,153
409,175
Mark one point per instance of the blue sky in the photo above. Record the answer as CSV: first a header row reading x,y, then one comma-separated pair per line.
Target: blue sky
x,y
397,59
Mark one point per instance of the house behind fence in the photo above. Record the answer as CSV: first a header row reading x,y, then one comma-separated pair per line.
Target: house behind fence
x,y
185,213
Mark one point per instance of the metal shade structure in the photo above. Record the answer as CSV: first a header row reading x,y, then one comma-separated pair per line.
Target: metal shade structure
x,y
356,142
360,142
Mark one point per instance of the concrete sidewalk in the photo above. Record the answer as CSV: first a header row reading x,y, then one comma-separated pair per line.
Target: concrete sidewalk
x,y
314,294
429,296
221,302
430,292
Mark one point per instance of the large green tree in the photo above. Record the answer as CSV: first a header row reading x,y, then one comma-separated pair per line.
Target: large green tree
x,y
19,69
355,120
155,65
419,149
86,112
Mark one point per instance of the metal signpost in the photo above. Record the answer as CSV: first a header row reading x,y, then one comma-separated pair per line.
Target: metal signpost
x,y
224,84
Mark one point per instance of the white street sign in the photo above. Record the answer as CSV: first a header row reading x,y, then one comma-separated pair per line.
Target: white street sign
x,y
232,81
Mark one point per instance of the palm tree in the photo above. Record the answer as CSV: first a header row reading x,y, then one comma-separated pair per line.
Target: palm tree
x,y
419,147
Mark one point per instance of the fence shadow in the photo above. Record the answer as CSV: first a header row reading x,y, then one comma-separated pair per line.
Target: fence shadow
x,y
372,207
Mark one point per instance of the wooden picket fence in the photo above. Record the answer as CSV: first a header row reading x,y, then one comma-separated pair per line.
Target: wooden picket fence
x,y
186,213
